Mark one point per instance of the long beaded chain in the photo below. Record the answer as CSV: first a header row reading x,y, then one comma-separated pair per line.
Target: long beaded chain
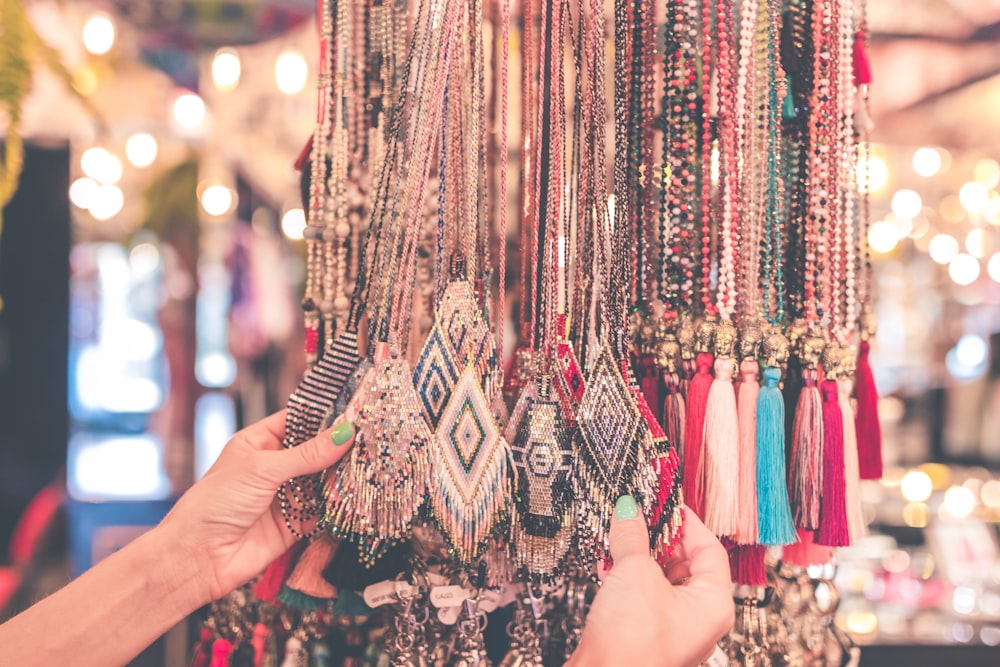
x,y
771,265
707,140
500,315
729,180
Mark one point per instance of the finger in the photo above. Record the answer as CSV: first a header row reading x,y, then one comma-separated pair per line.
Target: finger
x,y
268,433
629,535
707,557
315,454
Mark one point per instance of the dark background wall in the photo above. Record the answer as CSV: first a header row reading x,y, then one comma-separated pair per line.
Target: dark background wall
x,y
34,332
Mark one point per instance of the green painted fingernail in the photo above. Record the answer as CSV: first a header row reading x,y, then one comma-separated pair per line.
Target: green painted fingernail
x,y
343,433
626,508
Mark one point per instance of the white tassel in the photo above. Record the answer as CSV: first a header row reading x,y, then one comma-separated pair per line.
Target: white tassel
x,y
720,455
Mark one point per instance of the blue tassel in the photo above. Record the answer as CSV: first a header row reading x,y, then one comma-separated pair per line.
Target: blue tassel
x,y
299,600
774,516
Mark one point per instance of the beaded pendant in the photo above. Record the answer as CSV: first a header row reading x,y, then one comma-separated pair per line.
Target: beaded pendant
x,y
308,408
569,382
543,517
666,511
470,491
611,460
529,392
374,498
466,330
435,375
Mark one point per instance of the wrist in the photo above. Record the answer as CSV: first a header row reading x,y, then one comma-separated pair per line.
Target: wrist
x,y
180,571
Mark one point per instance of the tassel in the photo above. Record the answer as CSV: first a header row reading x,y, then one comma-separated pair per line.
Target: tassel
x,y
202,654
774,517
852,481
721,453
649,381
746,564
674,411
269,584
869,430
833,530
746,411
807,450
221,649
806,552
862,68
788,111
697,400
294,599
307,577
295,654
259,642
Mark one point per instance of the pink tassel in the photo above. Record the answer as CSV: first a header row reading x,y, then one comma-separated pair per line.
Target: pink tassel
x,y
833,530
721,453
259,642
673,411
746,410
806,452
855,514
806,552
694,429
746,564
307,577
869,430
220,653
862,68
270,582
202,654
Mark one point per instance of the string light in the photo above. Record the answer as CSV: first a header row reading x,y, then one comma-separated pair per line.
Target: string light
x,y
141,149
943,248
293,223
98,35
927,161
291,72
226,69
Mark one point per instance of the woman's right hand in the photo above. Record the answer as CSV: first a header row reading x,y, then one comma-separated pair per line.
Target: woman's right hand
x,y
639,617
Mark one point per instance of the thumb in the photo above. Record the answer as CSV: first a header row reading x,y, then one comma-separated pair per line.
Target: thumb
x,y
315,454
629,535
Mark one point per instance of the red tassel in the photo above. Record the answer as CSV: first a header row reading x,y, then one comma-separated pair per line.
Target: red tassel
x,y
833,530
202,655
694,430
806,552
806,453
862,68
746,564
869,430
270,582
721,452
220,653
746,408
650,382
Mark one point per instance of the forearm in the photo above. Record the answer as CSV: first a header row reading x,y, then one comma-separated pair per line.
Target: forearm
x,y
109,614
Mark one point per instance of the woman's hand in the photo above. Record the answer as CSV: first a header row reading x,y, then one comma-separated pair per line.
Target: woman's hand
x,y
230,523
639,617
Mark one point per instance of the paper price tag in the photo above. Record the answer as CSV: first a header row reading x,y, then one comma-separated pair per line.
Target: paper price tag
x,y
490,600
718,659
448,615
437,579
376,595
448,596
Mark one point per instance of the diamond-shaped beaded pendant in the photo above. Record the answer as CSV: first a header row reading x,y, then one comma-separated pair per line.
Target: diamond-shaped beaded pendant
x,y
469,492
374,498
611,457
466,330
543,516
569,382
435,375
666,515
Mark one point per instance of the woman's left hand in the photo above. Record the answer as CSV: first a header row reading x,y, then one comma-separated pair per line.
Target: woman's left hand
x,y
230,522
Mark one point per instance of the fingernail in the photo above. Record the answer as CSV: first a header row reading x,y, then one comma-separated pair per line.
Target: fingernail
x,y
342,433
626,508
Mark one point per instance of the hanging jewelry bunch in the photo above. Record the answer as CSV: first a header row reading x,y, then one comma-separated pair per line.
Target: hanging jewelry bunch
x,y
685,319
